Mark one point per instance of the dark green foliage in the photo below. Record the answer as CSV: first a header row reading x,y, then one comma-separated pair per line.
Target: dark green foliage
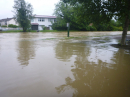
x,y
3,26
23,14
90,28
68,14
79,20
55,26
12,26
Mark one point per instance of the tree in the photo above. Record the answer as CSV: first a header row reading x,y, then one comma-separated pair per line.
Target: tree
x,y
67,13
104,10
23,13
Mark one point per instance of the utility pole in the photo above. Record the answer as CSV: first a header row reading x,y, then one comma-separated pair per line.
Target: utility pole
x,y
68,29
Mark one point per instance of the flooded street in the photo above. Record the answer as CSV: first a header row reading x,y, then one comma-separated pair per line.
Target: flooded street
x,y
52,65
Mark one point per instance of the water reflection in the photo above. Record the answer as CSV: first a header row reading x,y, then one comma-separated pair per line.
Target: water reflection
x,y
26,48
121,56
97,72
64,51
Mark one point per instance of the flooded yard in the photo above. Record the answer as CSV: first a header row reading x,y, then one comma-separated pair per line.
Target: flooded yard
x,y
52,65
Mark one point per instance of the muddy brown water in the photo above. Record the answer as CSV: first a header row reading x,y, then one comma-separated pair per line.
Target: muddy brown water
x,y
51,65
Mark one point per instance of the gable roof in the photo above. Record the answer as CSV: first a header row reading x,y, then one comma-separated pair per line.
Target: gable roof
x,y
5,20
44,16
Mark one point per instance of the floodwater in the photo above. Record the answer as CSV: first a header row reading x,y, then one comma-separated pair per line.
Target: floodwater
x,y
51,65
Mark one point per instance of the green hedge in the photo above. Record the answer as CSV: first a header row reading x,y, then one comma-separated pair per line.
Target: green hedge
x,y
12,26
3,26
118,28
91,28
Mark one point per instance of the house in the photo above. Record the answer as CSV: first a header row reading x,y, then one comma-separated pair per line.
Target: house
x,y
40,21
8,21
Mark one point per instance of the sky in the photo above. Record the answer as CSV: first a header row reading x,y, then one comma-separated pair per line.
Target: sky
x,y
40,7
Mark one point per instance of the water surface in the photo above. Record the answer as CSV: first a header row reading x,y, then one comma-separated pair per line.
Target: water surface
x,y
51,65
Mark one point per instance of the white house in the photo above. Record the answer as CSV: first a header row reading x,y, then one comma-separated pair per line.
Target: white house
x,y
40,21
8,21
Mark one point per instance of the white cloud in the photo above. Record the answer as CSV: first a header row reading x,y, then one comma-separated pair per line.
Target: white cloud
x,y
40,7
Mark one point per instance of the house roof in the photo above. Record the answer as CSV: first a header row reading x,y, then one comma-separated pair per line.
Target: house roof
x,y
5,20
44,16
34,24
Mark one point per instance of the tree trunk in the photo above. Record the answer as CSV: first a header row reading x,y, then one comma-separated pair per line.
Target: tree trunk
x,y
126,25
24,29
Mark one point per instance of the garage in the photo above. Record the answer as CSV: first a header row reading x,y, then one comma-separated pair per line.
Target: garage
x,y
34,26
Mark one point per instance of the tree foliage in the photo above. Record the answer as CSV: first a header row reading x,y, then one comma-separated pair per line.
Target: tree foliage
x,y
23,13
68,14
79,20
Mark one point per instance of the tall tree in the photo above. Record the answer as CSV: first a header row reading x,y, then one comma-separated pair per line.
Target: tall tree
x,y
67,13
104,10
23,13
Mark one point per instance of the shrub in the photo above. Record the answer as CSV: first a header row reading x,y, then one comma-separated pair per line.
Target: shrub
x,y
56,26
91,28
3,26
43,27
12,26
118,28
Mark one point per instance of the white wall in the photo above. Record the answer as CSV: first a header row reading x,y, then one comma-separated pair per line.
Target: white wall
x,y
40,27
2,23
12,21
45,23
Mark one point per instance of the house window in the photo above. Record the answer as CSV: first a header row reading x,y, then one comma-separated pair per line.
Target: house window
x,y
55,20
41,19
50,20
5,23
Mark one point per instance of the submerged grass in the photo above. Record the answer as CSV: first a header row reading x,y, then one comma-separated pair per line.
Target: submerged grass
x,y
71,37
49,39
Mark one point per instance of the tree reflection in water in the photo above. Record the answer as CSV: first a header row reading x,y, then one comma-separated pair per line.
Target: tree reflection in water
x,y
95,78
26,50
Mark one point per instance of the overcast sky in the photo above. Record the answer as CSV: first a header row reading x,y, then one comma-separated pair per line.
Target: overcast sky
x,y
40,7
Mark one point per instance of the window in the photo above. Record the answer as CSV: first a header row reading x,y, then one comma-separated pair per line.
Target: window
x,y
5,23
41,19
55,20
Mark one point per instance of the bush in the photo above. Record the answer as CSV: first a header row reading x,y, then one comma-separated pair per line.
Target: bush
x,y
91,28
12,26
55,26
43,27
118,28
3,26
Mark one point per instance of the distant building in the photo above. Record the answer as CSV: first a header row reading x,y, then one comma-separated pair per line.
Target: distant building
x,y
41,21
37,23
8,21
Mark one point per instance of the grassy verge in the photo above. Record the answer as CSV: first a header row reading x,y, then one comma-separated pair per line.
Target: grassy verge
x,y
10,31
15,31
